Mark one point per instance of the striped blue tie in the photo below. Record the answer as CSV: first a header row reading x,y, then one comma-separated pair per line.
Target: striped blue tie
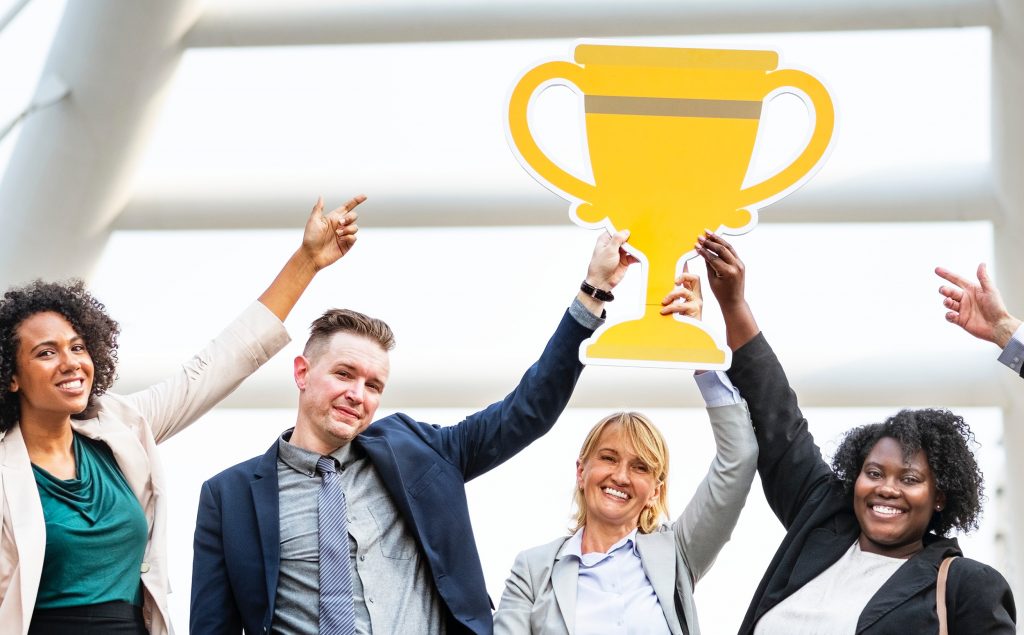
x,y
337,613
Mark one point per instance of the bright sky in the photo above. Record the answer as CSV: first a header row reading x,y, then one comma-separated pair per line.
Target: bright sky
x,y
429,117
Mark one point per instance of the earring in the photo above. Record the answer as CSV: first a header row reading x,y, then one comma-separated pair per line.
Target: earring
x,y
938,508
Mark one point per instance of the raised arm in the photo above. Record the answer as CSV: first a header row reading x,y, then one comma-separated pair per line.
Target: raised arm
x,y
790,464
254,337
711,515
490,437
326,239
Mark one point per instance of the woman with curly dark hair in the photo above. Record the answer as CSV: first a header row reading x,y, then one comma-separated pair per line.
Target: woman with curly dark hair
x,y
83,527
866,539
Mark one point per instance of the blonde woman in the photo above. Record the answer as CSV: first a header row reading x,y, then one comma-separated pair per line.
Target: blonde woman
x,y
625,569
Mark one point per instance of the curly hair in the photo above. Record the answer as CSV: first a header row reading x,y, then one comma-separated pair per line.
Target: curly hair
x,y
85,313
944,438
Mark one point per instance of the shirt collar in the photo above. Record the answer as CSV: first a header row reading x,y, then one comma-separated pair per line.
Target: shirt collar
x,y
574,547
304,461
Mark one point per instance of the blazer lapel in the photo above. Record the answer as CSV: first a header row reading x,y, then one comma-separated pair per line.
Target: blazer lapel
x,y
564,576
264,486
917,574
657,550
26,514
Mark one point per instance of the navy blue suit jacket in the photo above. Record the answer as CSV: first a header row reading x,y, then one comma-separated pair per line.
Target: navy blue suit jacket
x,y
424,468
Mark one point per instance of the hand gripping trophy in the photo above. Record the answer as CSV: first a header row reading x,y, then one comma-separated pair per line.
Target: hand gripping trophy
x,y
670,133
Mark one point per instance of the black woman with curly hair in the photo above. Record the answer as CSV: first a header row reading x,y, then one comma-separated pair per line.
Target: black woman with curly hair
x,y
83,526
865,539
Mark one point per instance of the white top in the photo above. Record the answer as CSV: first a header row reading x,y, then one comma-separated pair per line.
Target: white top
x,y
833,601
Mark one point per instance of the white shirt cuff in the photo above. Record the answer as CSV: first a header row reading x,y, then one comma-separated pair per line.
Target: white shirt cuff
x,y
716,389
1013,354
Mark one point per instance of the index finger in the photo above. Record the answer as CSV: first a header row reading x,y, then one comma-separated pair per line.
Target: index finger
x,y
946,274
353,202
724,250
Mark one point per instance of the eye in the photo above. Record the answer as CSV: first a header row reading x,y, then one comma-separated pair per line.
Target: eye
x,y
343,373
377,388
911,480
78,348
608,458
642,468
46,352
872,473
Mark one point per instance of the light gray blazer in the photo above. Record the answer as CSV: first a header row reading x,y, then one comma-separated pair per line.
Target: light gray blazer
x,y
132,426
540,594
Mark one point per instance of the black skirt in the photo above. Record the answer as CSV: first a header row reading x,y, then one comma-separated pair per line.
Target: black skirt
x,y
109,618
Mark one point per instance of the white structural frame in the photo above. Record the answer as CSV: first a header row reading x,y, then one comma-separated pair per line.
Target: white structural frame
x,y
117,58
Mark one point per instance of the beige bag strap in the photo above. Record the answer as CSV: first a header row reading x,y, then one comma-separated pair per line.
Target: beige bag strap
x,y
940,595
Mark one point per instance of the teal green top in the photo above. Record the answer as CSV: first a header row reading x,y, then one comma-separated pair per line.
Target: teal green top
x,y
95,532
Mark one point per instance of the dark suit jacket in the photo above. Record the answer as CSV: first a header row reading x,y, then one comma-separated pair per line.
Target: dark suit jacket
x,y
821,526
424,468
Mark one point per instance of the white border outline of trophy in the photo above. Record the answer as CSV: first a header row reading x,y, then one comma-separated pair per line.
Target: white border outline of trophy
x,y
606,224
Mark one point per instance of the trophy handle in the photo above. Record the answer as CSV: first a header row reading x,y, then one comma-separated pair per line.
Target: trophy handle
x,y
824,123
519,128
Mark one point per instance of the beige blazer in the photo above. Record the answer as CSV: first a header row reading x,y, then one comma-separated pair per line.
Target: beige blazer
x,y
540,594
132,426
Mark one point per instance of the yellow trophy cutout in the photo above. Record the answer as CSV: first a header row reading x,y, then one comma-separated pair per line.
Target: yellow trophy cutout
x,y
670,133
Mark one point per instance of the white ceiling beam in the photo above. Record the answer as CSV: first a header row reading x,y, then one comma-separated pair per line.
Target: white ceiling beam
x,y
69,174
303,23
951,194
473,380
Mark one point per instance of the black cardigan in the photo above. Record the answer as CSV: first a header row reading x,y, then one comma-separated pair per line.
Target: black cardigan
x,y
820,525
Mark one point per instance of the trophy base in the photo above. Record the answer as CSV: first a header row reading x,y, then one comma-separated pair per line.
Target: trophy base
x,y
657,339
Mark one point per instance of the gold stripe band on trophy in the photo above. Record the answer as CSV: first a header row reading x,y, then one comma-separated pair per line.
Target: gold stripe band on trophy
x,y
672,107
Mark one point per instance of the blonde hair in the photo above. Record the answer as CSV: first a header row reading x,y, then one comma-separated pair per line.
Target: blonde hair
x,y
646,439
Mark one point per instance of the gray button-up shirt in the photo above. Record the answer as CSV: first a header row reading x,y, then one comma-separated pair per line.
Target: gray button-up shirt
x,y
391,582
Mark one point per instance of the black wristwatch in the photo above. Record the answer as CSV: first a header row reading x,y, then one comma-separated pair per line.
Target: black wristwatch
x,y
594,292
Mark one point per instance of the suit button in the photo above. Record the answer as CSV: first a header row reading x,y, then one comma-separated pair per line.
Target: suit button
x,y
144,568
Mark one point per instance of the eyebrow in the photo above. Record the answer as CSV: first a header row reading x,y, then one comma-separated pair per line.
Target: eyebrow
x,y
904,468
74,340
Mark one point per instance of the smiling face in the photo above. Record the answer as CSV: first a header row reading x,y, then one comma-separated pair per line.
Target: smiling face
x,y
894,500
616,483
340,386
54,373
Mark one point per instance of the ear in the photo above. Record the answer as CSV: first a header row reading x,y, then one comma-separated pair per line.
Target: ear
x,y
300,371
579,474
654,497
13,387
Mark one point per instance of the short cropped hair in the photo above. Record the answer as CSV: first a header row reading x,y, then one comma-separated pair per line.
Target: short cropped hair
x,y
346,321
944,438
87,316
646,439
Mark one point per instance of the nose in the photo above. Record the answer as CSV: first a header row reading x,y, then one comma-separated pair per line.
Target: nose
x,y
888,490
69,363
355,392
621,473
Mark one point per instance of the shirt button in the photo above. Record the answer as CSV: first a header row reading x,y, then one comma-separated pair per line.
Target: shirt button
x,y
363,557
144,568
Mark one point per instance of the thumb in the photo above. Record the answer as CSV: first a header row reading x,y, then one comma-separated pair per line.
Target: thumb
x,y
983,278
620,237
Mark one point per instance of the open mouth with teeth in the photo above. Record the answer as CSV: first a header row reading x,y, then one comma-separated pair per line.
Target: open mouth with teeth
x,y
616,493
71,385
886,511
